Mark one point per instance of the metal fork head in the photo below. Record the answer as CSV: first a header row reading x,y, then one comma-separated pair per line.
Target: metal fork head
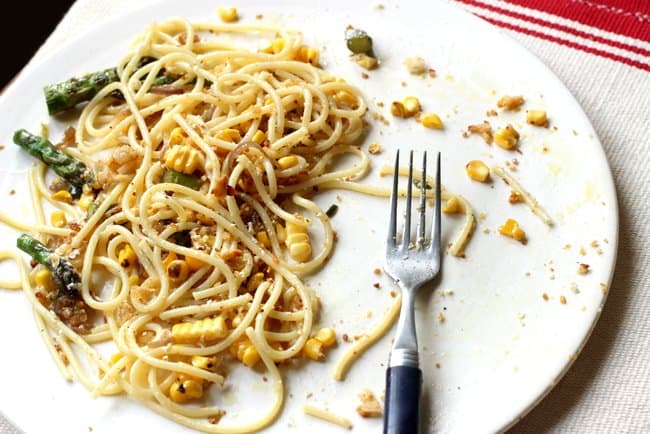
x,y
412,264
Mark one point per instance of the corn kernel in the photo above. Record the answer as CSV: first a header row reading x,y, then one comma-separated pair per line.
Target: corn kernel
x,y
85,201
254,281
115,358
274,47
207,329
127,257
228,15
432,120
178,270
412,105
263,239
294,238
365,61
259,137
343,97
297,241
185,390
250,356
229,135
300,252
314,349
537,118
177,136
62,196
507,137
453,206
43,279
282,233
287,162
58,219
397,109
203,362
510,102
193,263
326,336
307,54
183,158
478,171
511,229
134,280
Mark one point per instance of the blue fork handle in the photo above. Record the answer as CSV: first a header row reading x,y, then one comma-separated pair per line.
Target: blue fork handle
x,y
402,408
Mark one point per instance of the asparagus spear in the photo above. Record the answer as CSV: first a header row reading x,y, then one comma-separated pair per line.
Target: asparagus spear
x,y
73,171
175,177
67,94
63,273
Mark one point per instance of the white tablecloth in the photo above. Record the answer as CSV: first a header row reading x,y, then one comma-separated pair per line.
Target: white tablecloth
x,y
608,387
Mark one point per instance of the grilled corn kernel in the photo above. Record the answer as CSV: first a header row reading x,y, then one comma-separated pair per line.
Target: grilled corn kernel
x,y
185,390
43,279
207,329
250,356
58,219
254,281
274,47
228,15
127,257
432,120
307,54
287,162
85,201
259,137
134,280
229,135
203,362
537,118
193,263
411,105
453,206
478,171
507,137
397,109
510,102
314,349
263,239
178,270
62,196
183,158
326,336
511,229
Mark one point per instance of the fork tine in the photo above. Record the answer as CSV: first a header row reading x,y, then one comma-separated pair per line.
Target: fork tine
x,y
435,228
406,236
392,224
422,207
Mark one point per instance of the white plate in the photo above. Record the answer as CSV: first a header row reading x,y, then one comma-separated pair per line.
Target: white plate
x,y
501,347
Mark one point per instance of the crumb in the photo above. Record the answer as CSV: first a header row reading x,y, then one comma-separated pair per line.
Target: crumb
x,y
441,317
380,104
379,6
376,285
393,294
482,216
594,244
512,103
431,73
447,292
515,197
404,84
264,379
369,314
214,419
364,75
484,130
583,268
562,299
603,288
308,395
377,271
345,337
521,315
582,251
486,231
90,429
574,288
567,246
491,112
374,148
259,16
545,296
12,192
605,240
599,251
527,274
415,65
369,406
2,147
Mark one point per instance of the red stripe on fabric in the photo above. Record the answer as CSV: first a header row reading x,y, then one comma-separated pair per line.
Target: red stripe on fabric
x,y
632,23
566,43
560,27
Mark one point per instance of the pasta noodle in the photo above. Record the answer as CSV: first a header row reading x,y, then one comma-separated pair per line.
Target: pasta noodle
x,y
327,416
192,243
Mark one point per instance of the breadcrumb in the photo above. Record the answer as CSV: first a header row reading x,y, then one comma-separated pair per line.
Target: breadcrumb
x,y
369,406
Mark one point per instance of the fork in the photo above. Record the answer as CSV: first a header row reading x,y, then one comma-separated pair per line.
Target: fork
x,y
411,265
